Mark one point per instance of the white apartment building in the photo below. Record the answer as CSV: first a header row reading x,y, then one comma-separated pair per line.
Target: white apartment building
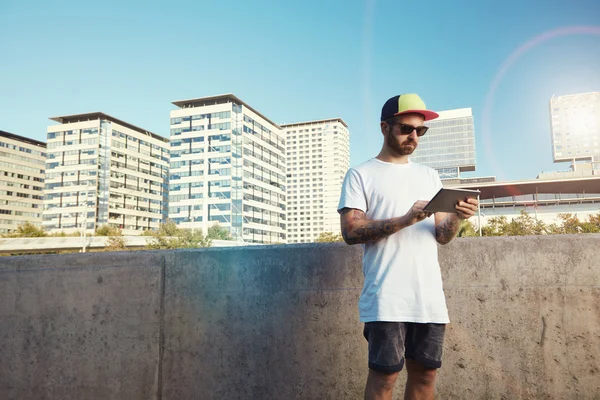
x,y
227,168
101,170
21,181
318,157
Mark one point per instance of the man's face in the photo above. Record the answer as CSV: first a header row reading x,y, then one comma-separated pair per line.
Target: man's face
x,y
395,140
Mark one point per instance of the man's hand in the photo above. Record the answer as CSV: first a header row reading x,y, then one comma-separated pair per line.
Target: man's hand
x,y
416,213
466,209
447,224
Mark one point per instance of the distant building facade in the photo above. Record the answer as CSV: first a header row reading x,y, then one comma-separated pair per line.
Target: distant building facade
x,y
449,144
318,156
575,123
104,171
227,168
22,163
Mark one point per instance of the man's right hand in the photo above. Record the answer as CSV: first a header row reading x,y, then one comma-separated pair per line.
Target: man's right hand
x,y
416,213
358,229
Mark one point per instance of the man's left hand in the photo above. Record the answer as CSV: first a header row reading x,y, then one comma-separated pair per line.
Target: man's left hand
x,y
466,209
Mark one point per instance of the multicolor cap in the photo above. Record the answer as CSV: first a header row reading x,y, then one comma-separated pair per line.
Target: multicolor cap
x,y
409,103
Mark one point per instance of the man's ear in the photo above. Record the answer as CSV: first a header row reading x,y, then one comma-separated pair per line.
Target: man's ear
x,y
383,126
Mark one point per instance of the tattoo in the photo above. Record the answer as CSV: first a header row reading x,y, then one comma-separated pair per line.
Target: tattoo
x,y
447,229
357,229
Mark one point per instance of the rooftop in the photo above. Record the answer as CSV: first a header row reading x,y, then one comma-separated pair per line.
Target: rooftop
x,y
318,121
456,113
220,99
491,190
22,139
67,119
574,95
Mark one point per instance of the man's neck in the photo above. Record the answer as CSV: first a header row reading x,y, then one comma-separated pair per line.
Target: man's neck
x,y
388,156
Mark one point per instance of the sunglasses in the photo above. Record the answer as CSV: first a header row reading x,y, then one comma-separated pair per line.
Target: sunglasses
x,y
408,129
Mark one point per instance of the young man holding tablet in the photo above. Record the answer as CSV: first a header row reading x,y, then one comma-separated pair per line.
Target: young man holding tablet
x,y
402,303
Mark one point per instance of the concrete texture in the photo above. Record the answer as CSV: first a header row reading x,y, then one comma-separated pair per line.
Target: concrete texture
x,y
263,323
525,318
80,326
281,322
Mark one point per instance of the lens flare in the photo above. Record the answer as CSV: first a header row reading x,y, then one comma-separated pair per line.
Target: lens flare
x,y
507,64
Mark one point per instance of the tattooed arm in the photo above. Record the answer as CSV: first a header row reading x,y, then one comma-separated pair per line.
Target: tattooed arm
x,y
357,229
446,227
446,224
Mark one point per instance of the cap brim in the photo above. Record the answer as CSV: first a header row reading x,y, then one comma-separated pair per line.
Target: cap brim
x,y
427,114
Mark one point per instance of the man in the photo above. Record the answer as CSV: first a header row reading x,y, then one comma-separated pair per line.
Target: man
x,y
402,302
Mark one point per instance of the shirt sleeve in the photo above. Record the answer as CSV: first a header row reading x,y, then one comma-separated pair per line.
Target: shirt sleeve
x,y
353,192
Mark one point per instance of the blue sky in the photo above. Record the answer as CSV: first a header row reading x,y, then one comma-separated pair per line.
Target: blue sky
x,y
296,61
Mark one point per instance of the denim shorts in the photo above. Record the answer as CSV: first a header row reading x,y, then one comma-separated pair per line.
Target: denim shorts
x,y
391,342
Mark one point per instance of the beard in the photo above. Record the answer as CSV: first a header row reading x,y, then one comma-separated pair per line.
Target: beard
x,y
400,148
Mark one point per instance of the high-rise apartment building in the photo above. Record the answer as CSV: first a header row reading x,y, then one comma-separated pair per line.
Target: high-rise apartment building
x,y
575,121
449,144
227,168
104,171
318,156
21,181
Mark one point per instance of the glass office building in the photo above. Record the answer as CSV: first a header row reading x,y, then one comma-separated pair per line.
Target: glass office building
x,y
449,144
227,168
21,181
318,157
575,122
104,171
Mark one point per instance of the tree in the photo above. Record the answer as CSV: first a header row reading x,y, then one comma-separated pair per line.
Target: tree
x,y
525,224
64,234
522,225
107,230
329,237
28,230
467,229
169,236
496,226
216,232
571,224
115,243
594,223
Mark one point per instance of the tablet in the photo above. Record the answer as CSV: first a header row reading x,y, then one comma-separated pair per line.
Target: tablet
x,y
446,199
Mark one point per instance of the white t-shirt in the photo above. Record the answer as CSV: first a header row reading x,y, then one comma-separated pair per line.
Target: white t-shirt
x,y
403,281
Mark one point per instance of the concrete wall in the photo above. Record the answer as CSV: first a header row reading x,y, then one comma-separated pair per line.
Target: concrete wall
x,y
281,322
